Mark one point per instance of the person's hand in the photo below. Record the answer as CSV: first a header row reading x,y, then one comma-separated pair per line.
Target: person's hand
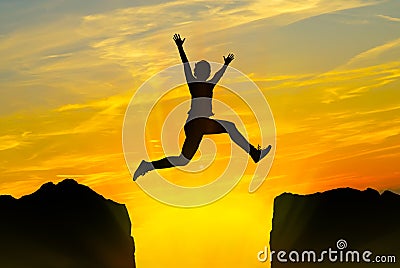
x,y
229,58
178,41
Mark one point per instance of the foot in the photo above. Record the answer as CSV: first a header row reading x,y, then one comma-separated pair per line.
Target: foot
x,y
142,169
257,153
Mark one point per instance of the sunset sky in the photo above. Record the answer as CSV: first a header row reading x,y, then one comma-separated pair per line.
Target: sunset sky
x,y
330,71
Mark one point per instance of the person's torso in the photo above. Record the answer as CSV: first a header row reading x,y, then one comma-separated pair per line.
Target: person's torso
x,y
201,103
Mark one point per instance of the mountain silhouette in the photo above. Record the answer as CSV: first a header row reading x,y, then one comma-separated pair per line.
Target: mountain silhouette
x,y
64,225
358,220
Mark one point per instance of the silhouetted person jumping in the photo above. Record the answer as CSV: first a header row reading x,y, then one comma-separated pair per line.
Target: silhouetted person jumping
x,y
199,122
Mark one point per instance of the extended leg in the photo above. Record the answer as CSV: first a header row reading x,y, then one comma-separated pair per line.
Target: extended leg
x,y
235,135
256,153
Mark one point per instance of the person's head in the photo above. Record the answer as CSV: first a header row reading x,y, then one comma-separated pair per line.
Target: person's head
x,y
202,70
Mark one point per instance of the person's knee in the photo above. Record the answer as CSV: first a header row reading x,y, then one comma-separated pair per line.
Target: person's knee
x,y
183,161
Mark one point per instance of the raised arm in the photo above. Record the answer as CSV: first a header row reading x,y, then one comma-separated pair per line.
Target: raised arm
x,y
218,75
186,66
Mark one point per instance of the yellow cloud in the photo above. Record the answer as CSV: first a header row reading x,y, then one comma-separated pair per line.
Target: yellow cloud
x,y
140,39
389,18
10,142
371,54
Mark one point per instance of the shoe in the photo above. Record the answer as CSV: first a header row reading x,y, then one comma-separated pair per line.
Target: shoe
x,y
142,169
257,153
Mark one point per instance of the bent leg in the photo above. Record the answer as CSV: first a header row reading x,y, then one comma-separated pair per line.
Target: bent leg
x,y
166,162
170,161
189,148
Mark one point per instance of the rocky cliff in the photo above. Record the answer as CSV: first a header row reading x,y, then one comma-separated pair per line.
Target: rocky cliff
x,y
64,225
342,222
